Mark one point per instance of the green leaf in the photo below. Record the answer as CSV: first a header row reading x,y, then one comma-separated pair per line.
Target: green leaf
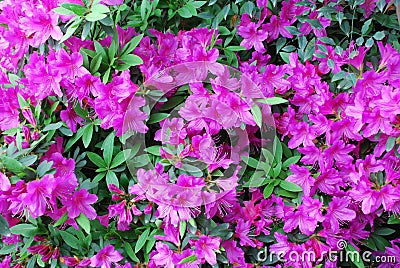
x,y
131,60
95,16
69,239
272,100
114,45
99,8
83,222
5,250
236,48
220,230
310,49
380,242
365,27
155,150
77,9
182,228
95,63
291,160
290,186
108,148
394,220
315,24
257,114
293,30
111,178
22,102
338,76
4,228
61,220
87,135
142,240
63,11
131,45
327,40
198,4
76,137
268,190
130,252
250,161
157,117
390,143
53,126
106,75
43,168
12,165
285,56
193,170
24,229
369,42
184,12
118,159
71,30
277,150
354,258
96,159
384,231
379,35
188,259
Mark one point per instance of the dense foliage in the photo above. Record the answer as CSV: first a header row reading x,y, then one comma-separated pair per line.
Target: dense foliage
x,y
199,133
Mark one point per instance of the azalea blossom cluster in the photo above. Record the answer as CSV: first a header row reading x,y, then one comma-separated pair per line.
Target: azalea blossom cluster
x,y
194,197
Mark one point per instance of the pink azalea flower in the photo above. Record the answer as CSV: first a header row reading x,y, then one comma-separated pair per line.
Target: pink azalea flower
x,y
205,248
337,212
79,203
71,118
234,254
301,176
302,133
40,25
339,151
4,182
242,232
106,257
123,213
163,256
276,27
251,34
38,194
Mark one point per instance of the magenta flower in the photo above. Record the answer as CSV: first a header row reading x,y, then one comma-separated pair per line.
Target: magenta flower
x,y
106,257
234,254
205,248
123,213
306,217
38,194
339,151
302,133
40,25
163,256
276,27
251,34
79,203
301,176
338,212
4,182
242,232
171,234
70,117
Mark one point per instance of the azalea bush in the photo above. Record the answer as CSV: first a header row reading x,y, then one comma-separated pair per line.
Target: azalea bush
x,y
199,133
